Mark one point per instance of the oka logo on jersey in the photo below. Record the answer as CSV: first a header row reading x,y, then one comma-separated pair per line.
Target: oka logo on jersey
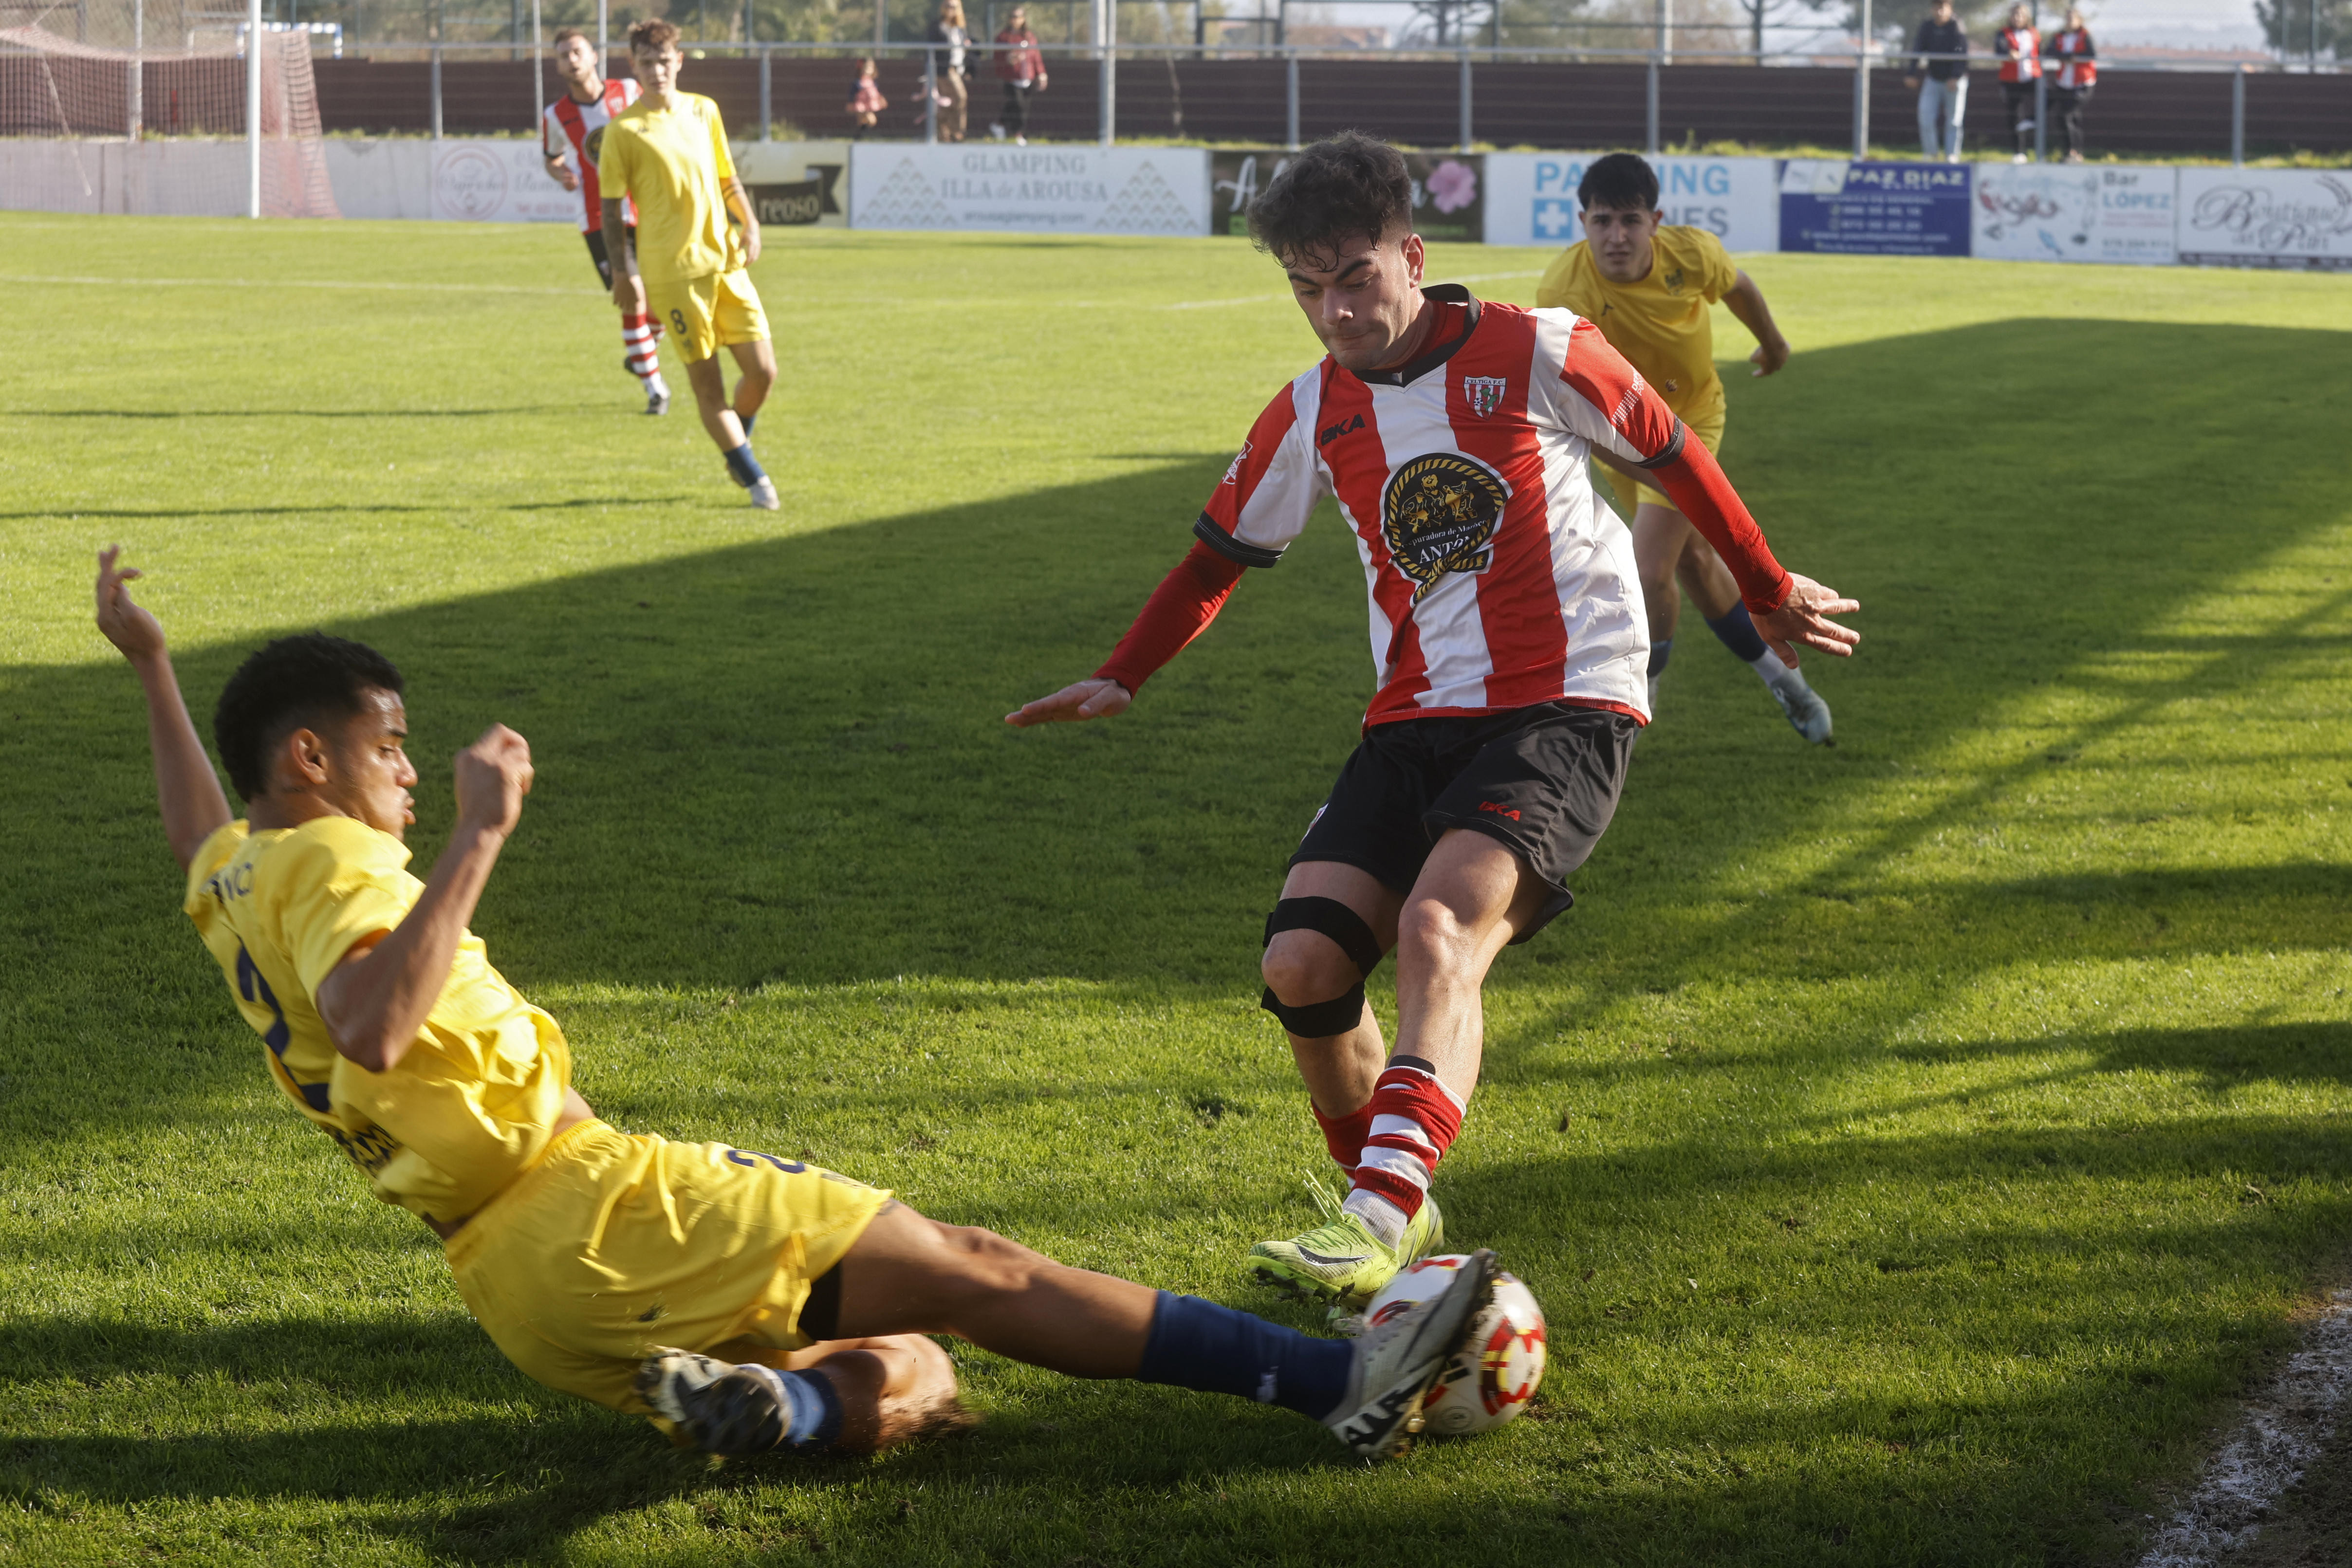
x,y
1332,432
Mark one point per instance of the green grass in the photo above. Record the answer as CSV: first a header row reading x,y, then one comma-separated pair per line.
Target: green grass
x,y
1914,1144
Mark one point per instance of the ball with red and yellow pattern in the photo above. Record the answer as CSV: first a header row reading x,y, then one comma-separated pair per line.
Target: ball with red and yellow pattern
x,y
1492,1379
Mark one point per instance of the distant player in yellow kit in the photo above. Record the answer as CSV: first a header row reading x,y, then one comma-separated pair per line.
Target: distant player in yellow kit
x,y
742,1301
668,153
1648,286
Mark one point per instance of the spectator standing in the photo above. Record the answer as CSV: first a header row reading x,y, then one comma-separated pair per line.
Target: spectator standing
x,y
867,104
2069,84
1021,66
952,37
2019,48
1942,83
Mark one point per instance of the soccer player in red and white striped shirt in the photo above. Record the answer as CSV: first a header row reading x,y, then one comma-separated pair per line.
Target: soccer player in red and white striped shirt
x,y
1509,646
570,134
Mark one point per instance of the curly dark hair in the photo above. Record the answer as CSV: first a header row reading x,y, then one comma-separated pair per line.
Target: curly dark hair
x,y
1621,180
653,33
1344,187
292,684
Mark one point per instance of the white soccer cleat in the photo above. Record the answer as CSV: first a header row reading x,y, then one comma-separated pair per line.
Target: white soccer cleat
x,y
1398,1362
763,495
720,1408
657,403
1807,713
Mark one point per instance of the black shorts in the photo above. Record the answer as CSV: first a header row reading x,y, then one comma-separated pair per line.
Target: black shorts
x,y
1544,780
595,238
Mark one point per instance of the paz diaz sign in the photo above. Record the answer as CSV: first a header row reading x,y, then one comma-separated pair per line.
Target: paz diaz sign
x,y
1037,190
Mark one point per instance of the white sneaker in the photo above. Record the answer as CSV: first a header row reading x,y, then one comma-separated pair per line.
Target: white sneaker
x,y
1806,712
1399,1361
2018,158
996,133
1020,142
763,495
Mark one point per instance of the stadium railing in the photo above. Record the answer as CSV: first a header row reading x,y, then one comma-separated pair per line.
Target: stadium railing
x,y
1279,94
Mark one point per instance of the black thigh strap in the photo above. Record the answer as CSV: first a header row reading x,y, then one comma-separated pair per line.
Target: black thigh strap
x,y
820,1313
1333,919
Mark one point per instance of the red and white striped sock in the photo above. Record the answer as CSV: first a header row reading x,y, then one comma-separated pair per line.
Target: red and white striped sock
x,y
1415,1120
1346,1135
638,353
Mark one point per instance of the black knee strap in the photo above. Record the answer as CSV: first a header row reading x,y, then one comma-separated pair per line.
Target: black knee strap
x,y
1319,1021
1333,919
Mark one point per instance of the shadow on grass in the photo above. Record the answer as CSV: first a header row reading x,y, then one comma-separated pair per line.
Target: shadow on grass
x,y
784,763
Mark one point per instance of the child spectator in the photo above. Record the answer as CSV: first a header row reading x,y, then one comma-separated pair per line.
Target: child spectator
x,y
2070,86
868,102
2019,48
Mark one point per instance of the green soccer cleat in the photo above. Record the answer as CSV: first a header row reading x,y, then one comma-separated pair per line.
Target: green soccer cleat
x,y
1398,1362
1341,1260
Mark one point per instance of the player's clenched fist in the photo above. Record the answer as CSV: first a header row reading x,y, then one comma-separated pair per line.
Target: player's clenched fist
x,y
493,776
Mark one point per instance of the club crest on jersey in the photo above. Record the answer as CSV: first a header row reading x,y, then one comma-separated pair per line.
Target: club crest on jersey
x,y
1438,515
593,148
1483,394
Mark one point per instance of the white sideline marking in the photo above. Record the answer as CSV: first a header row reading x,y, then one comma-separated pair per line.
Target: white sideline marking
x,y
2284,1428
295,283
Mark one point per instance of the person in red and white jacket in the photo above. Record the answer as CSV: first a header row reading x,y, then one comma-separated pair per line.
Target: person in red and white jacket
x,y
2076,72
1509,651
2019,48
570,134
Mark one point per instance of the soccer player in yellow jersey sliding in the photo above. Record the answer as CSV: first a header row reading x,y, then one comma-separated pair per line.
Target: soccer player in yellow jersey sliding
x,y
1648,286
741,1300
668,153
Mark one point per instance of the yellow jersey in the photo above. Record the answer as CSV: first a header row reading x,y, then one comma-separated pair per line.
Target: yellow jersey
x,y
670,162
473,1102
1659,324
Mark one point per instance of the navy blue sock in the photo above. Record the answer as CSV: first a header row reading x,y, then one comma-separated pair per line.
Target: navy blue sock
x,y
749,420
1216,1350
1739,634
744,466
1659,653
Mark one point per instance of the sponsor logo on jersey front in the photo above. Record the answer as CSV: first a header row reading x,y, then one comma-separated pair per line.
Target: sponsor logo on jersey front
x,y
1483,394
1438,515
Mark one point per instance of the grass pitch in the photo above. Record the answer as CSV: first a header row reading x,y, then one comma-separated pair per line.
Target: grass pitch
x,y
1913,1144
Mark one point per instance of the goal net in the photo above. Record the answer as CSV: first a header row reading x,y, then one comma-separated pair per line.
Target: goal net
x,y
88,129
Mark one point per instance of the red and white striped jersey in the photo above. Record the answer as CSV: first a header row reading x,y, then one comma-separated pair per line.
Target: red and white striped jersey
x,y
2078,66
1496,578
569,123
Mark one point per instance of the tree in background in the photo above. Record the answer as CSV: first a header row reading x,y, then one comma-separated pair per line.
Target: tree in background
x,y
2288,25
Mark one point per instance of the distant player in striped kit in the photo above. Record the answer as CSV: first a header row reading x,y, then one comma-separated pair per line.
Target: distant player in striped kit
x,y
1508,646
570,134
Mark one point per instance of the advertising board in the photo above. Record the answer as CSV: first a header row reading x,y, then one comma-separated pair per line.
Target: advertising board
x,y
1839,208
2298,218
1449,194
2056,212
794,184
1531,198
1030,190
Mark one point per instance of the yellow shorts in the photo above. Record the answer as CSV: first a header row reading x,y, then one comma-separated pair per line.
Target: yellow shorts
x,y
615,1243
1708,427
702,313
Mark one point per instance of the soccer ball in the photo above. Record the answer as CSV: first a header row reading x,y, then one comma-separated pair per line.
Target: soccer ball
x,y
1492,1378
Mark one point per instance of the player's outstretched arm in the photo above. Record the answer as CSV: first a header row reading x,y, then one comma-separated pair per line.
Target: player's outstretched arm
x,y
376,1001
186,787
1745,301
1179,610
